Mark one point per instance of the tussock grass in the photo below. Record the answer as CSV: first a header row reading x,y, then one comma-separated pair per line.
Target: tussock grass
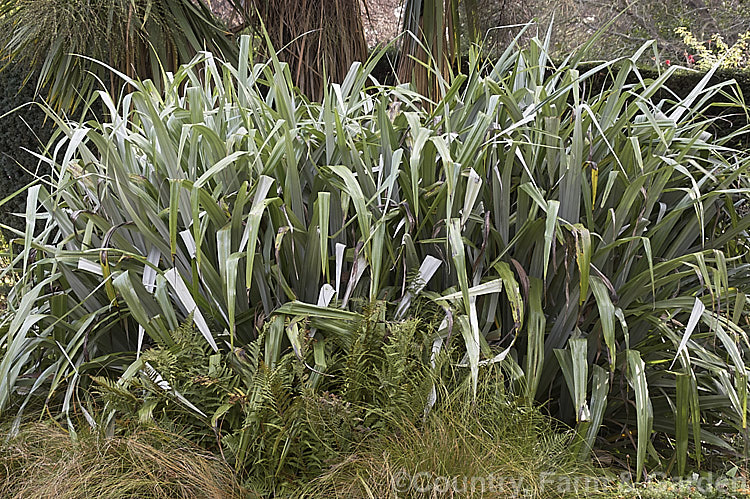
x,y
489,449
135,37
43,461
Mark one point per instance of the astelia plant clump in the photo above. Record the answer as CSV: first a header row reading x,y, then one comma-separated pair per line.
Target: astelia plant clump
x,y
588,241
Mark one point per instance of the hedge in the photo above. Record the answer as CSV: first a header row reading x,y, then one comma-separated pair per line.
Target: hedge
x,y
25,129
683,81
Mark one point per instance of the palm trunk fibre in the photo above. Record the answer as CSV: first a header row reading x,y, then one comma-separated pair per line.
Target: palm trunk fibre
x,y
320,39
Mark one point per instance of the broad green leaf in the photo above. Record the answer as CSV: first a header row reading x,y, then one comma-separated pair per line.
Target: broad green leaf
x,y
553,207
583,257
606,317
643,408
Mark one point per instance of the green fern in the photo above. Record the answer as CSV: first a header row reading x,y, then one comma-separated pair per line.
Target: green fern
x,y
265,415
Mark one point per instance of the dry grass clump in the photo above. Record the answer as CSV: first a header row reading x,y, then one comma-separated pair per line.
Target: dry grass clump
x,y
43,461
492,449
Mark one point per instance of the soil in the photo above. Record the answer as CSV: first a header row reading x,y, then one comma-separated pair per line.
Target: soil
x,y
382,19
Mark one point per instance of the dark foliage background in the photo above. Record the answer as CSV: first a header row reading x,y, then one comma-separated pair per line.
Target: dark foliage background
x,y
727,119
21,131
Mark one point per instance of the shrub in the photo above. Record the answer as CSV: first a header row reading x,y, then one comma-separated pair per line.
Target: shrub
x,y
696,488
591,244
736,56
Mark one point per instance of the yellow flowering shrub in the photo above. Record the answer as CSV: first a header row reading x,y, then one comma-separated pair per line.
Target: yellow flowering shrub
x,y
717,51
